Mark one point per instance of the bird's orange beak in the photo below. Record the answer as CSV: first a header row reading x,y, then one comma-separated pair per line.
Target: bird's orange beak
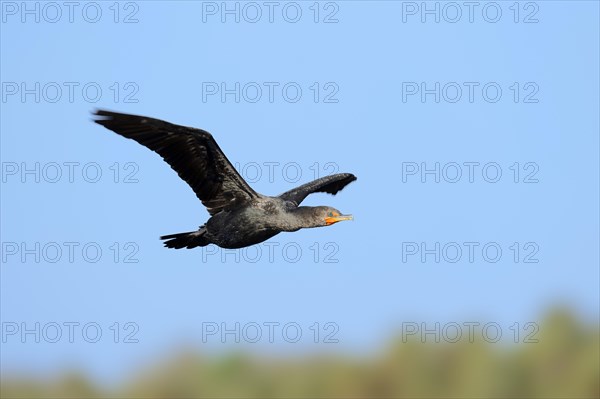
x,y
334,219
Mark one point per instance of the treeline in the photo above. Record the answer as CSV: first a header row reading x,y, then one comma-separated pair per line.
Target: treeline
x,y
564,363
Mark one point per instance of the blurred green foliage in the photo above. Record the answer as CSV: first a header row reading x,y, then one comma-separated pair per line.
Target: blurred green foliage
x,y
565,363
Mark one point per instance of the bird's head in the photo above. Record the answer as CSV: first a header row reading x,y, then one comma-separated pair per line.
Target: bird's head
x,y
328,215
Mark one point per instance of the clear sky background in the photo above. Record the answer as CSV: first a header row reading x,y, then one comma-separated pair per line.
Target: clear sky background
x,y
365,120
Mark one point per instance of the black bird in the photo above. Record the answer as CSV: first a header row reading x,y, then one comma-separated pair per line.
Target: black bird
x,y
239,215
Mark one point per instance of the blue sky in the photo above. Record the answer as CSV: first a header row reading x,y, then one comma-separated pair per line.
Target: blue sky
x,y
360,110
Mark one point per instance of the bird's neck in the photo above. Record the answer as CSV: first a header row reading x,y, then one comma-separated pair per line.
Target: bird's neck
x,y
302,217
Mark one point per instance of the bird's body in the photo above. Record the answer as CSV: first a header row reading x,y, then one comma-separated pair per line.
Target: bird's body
x,y
248,225
239,216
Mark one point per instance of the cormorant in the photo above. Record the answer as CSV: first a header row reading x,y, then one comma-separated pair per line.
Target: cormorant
x,y
239,216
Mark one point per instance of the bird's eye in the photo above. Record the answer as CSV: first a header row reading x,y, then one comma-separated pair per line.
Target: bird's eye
x,y
330,214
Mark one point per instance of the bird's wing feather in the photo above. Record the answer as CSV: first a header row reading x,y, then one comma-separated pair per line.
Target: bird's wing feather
x,y
192,153
329,184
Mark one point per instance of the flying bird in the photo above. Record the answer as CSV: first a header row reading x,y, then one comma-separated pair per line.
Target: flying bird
x,y
240,216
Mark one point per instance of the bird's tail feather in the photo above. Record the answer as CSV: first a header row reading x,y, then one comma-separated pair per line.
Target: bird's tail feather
x,y
186,240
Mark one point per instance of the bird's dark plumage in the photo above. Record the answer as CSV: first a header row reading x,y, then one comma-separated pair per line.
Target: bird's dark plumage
x,y
240,216
329,184
192,153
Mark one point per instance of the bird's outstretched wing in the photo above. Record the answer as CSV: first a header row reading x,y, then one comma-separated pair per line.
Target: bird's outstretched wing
x,y
192,153
329,184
